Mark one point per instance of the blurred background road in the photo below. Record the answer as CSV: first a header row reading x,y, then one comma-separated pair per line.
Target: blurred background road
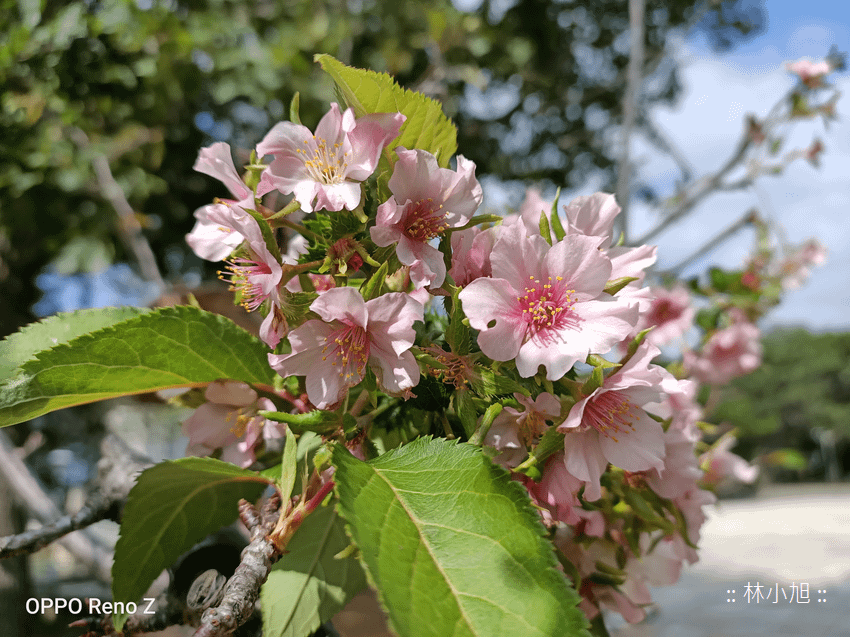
x,y
787,534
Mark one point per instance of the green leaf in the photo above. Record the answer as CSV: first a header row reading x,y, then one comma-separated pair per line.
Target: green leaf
x,y
465,410
615,285
555,218
319,421
454,546
267,232
544,227
173,506
21,346
366,92
487,383
457,334
288,466
371,289
169,347
308,585
295,108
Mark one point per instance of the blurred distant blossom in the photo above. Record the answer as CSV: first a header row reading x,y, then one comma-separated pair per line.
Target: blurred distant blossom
x,y
728,353
670,313
810,73
720,464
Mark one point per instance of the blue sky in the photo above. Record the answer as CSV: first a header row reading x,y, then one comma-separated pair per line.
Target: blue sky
x,y
719,91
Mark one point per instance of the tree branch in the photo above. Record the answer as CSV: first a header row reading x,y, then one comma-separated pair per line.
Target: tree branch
x,y
750,217
243,589
701,189
117,470
633,81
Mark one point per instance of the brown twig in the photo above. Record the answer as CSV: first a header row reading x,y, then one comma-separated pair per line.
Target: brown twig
x,y
243,589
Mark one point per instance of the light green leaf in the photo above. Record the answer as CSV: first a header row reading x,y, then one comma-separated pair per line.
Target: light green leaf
x,y
21,346
169,347
173,506
453,546
308,585
366,92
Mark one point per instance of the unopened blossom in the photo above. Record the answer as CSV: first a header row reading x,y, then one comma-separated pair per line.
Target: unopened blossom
x,y
810,73
545,305
228,415
728,353
208,239
324,170
609,425
333,351
255,275
513,430
557,495
670,313
427,200
720,463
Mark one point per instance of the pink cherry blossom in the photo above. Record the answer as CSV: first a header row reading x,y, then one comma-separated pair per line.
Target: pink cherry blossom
x,y
720,464
594,216
513,430
670,313
208,239
471,250
728,353
333,352
680,406
609,425
325,170
229,414
545,305
557,494
797,266
810,73
680,472
426,201
257,274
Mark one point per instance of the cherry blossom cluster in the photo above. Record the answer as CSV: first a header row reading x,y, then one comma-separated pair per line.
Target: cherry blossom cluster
x,y
546,300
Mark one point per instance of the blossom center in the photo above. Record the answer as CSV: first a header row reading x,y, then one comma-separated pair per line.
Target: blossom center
x,y
546,305
663,312
246,279
423,221
350,348
328,163
610,414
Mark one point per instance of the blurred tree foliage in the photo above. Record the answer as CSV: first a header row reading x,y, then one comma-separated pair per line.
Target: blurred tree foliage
x,y
535,87
803,383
